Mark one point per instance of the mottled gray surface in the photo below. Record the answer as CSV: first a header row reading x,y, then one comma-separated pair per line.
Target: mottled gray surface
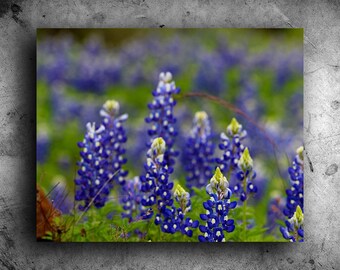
x,y
18,23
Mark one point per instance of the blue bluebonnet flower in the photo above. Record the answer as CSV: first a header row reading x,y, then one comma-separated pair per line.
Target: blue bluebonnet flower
x,y
102,158
295,192
232,147
158,199
131,199
113,140
294,227
198,153
217,210
179,221
161,115
155,183
93,182
175,220
246,175
236,161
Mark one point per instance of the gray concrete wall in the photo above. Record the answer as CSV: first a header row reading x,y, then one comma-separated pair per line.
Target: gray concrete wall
x,y
18,23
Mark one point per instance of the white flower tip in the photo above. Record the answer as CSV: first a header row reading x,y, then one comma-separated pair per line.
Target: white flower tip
x,y
158,144
111,107
165,77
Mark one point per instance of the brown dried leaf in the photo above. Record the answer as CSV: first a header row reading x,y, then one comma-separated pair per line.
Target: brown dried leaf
x,y
45,214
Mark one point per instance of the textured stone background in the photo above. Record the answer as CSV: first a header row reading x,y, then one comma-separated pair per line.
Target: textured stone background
x,y
18,23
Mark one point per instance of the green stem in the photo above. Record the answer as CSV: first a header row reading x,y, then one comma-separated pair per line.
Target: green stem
x,y
159,233
148,228
245,211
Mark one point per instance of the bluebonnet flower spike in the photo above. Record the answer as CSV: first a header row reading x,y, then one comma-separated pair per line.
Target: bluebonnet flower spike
x,y
158,198
155,183
161,115
232,147
179,220
102,157
216,218
114,139
246,175
294,227
183,198
197,157
131,199
296,191
92,175
294,205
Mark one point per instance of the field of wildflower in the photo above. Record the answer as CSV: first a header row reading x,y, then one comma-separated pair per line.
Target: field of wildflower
x,y
170,135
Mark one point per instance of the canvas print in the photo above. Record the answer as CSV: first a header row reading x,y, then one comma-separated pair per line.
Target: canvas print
x,y
170,135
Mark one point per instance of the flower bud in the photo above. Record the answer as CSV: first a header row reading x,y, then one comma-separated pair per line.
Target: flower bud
x,y
298,217
234,127
299,151
218,183
110,108
158,146
246,162
201,117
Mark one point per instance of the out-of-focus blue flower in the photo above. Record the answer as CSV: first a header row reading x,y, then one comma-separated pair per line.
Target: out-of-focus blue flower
x,y
162,117
131,199
282,140
59,195
217,210
88,68
230,57
43,146
286,67
94,73
64,162
295,104
210,75
294,227
295,192
63,108
198,155
248,99
53,60
136,145
275,208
